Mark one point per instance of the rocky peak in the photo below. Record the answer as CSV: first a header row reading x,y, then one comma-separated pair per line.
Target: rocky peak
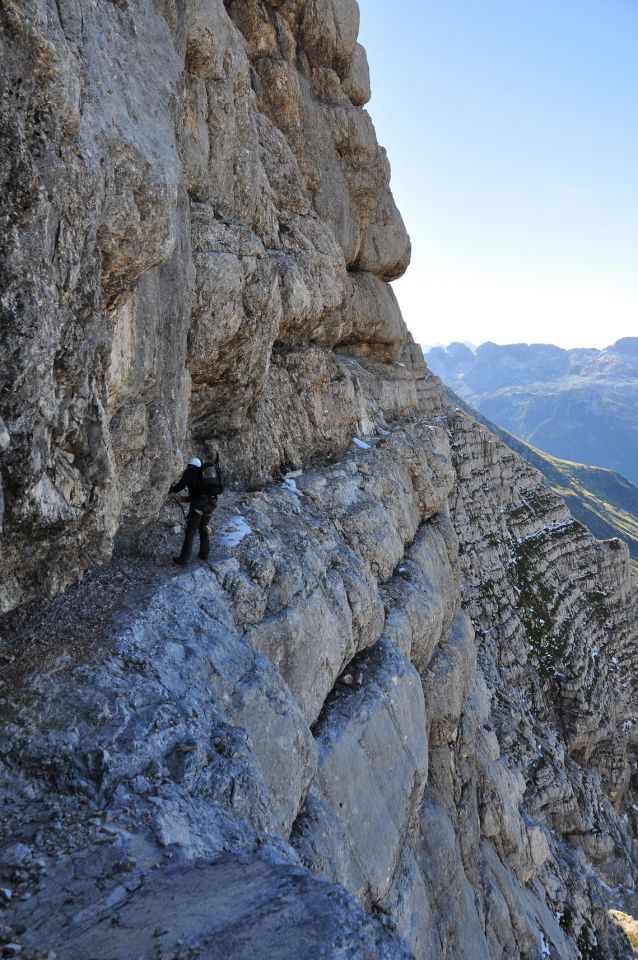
x,y
579,405
625,347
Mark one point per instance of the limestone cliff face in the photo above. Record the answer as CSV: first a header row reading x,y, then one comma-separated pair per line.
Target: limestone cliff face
x,y
197,234
396,715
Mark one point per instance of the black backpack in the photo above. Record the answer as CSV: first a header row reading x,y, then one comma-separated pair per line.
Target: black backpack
x,y
211,480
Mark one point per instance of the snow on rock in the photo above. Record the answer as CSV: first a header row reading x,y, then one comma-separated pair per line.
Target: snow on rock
x,y
545,947
290,484
234,531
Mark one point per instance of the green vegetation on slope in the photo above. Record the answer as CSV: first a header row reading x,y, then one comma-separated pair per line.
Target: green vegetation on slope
x,y
603,500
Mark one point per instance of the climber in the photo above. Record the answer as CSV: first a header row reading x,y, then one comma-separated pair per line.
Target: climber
x,y
205,483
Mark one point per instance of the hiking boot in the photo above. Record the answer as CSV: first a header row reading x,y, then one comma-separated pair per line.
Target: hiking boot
x,y
180,562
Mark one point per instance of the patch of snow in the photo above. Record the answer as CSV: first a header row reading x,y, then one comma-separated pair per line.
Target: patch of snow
x,y
361,444
234,531
384,433
550,528
545,947
290,484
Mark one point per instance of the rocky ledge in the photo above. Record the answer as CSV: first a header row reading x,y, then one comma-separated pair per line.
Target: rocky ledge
x,y
304,749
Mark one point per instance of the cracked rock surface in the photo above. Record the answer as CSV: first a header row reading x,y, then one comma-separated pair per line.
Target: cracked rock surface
x,y
197,237
394,715
404,795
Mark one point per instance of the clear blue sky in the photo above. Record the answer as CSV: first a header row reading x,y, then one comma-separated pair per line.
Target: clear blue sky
x,y
512,131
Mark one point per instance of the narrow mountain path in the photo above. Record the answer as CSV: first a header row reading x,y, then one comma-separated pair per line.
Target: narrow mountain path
x,y
53,634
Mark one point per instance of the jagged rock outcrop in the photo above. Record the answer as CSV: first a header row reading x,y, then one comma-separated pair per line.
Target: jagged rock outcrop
x,y
395,715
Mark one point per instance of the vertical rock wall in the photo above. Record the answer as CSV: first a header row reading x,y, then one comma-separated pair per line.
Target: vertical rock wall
x,y
198,231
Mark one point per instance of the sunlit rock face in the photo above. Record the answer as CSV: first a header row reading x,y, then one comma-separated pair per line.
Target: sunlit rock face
x,y
396,712
198,234
395,715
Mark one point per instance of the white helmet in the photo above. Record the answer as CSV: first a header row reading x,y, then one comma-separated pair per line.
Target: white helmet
x,y
194,462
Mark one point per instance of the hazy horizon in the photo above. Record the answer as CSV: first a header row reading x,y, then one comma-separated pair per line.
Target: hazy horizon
x,y
474,345
513,149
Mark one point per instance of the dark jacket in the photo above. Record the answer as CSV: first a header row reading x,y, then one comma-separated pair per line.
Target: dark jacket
x,y
188,479
200,499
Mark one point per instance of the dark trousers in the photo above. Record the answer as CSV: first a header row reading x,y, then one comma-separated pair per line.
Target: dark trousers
x,y
196,520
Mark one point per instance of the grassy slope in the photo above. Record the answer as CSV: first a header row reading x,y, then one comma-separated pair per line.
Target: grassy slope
x,y
603,500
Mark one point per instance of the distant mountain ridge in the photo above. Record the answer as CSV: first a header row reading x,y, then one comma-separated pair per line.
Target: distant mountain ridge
x,y
603,500
579,405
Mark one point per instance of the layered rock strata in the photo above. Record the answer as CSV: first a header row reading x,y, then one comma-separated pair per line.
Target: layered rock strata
x,y
310,740
395,716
